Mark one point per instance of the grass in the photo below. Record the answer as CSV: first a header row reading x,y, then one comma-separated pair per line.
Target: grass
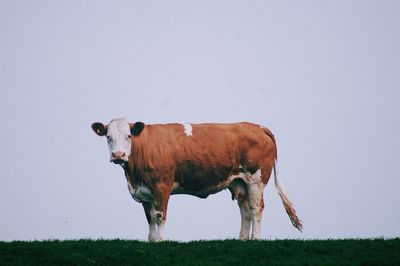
x,y
221,252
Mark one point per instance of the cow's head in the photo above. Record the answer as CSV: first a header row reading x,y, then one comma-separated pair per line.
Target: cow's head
x,y
119,134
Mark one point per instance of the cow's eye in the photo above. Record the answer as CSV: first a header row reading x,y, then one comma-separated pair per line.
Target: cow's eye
x,y
129,136
108,138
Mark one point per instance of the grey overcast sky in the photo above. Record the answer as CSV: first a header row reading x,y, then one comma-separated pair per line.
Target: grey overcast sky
x,y
322,75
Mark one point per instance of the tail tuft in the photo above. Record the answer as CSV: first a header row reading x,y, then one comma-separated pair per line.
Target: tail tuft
x,y
287,204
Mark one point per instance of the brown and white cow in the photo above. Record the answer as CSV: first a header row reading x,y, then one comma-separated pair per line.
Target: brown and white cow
x,y
196,159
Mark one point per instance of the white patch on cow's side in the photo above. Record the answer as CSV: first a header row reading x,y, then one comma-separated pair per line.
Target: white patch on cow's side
x,y
188,129
141,193
118,137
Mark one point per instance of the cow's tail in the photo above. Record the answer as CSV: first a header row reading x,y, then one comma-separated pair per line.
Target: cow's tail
x,y
287,203
285,200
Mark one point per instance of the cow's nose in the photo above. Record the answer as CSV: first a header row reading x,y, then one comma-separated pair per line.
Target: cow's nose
x,y
117,155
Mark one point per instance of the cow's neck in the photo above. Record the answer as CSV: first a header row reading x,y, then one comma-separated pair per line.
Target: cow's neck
x,y
130,174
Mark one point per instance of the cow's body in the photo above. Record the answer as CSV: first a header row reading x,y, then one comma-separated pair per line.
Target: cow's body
x,y
197,159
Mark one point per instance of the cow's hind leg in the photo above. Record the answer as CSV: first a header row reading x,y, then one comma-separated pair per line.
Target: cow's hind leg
x,y
238,188
249,194
256,207
245,218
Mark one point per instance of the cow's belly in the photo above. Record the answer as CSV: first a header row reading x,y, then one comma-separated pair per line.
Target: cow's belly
x,y
200,181
201,192
202,184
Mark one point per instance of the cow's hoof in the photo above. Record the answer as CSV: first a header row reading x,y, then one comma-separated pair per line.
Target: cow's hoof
x,y
153,238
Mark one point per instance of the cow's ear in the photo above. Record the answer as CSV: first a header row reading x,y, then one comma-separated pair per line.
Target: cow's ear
x,y
99,129
136,128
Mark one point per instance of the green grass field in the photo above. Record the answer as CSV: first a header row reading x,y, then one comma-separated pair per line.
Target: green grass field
x,y
224,252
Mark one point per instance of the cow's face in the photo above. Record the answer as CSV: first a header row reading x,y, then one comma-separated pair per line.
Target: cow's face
x,y
119,134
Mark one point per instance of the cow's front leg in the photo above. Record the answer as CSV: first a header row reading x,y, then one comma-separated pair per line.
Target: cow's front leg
x,y
156,214
161,197
149,211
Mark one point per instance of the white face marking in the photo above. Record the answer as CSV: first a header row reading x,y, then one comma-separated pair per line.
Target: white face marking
x,y
188,129
119,138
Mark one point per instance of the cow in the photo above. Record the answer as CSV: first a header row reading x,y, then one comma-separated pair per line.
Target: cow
x,y
160,160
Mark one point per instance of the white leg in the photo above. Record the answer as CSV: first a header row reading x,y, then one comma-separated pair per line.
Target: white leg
x,y
156,226
245,219
256,232
256,205
161,232
153,219
160,224
153,234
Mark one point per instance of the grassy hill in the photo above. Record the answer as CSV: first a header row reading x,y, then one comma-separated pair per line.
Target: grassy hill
x,y
223,252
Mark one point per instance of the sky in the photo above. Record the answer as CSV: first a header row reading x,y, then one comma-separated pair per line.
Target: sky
x,y
322,75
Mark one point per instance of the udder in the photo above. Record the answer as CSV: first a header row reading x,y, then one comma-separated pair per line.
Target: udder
x,y
238,189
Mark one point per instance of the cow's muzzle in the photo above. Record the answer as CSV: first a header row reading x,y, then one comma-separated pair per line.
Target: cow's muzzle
x,y
118,157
